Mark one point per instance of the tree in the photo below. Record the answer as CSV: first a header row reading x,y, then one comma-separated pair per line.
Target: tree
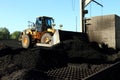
x,y
15,35
4,33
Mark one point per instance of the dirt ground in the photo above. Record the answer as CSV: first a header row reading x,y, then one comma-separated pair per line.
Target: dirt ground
x,y
17,63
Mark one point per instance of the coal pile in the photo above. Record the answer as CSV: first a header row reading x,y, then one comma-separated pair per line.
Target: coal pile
x,y
17,63
79,51
29,64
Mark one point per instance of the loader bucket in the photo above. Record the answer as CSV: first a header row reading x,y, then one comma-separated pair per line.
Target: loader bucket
x,y
60,36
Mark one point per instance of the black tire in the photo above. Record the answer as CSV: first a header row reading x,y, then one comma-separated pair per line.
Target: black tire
x,y
26,41
46,38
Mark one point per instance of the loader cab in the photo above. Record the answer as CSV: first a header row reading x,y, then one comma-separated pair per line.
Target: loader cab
x,y
43,23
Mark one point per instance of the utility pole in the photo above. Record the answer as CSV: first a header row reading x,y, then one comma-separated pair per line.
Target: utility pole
x,y
83,4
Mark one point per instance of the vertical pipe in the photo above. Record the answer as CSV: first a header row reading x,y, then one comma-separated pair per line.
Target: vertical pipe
x,y
82,15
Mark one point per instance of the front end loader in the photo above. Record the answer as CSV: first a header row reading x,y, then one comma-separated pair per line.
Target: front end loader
x,y
40,33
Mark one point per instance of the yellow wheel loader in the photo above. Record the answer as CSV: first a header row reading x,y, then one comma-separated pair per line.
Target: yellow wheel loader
x,y
40,33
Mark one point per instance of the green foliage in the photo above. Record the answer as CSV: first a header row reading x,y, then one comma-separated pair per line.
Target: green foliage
x,y
4,33
15,35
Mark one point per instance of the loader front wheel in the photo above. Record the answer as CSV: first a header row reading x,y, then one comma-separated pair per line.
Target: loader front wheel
x,y
26,41
46,38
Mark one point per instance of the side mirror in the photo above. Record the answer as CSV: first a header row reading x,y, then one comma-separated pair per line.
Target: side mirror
x,y
60,26
53,25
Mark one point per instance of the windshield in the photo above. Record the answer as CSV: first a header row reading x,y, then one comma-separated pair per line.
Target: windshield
x,y
43,23
38,24
49,22
38,21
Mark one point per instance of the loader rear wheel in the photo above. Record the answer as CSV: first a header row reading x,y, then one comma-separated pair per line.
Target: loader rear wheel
x,y
46,38
26,41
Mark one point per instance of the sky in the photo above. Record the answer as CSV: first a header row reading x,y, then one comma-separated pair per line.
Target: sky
x,y
15,14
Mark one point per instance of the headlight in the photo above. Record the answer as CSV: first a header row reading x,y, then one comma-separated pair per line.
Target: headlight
x,y
27,32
